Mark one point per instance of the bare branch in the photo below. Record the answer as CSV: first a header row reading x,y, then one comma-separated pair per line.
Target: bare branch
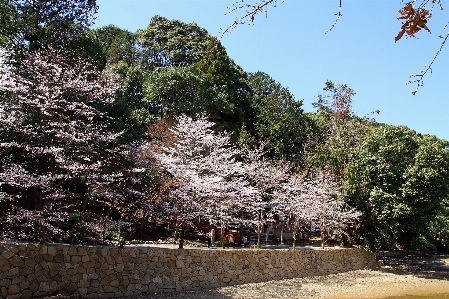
x,y
339,15
251,10
415,14
415,20
419,78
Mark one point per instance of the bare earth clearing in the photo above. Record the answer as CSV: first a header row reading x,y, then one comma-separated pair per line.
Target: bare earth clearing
x,y
411,277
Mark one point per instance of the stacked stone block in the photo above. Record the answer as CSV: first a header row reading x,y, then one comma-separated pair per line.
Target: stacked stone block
x,y
34,270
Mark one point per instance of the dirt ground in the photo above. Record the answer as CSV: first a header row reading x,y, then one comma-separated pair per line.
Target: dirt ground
x,y
400,277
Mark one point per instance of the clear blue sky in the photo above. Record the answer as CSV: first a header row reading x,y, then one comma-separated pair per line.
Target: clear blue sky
x,y
290,46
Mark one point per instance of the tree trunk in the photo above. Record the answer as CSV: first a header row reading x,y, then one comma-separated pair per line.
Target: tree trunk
x,y
84,203
294,237
142,223
222,236
259,230
34,198
241,229
282,233
182,235
322,233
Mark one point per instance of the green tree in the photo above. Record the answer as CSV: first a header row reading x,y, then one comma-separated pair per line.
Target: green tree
x,y
439,228
398,179
119,49
116,44
340,128
214,85
175,90
225,88
277,118
6,20
34,24
129,105
178,78
170,43
85,45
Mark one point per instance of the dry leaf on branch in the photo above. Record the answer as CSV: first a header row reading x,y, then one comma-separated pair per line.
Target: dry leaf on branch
x,y
415,20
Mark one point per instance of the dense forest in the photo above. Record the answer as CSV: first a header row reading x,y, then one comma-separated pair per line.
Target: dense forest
x,y
105,133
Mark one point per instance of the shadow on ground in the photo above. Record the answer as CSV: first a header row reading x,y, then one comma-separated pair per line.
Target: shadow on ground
x,y
194,294
430,267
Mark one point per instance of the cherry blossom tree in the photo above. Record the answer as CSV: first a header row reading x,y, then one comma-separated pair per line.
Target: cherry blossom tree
x,y
291,203
215,179
57,152
210,182
208,176
326,207
315,199
265,177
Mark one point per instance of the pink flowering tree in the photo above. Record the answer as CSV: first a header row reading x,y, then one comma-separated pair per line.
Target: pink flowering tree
x,y
291,203
210,182
317,200
57,152
208,177
264,180
325,206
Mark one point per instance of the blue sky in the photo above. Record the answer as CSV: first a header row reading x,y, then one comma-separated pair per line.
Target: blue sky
x,y
290,45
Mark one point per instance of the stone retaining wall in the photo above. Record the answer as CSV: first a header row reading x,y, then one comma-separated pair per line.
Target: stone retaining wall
x,y
34,270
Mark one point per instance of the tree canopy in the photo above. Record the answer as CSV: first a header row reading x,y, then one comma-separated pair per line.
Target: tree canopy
x,y
171,43
398,178
33,24
278,118
104,132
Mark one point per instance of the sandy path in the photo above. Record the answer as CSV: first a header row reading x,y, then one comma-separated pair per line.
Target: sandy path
x,y
354,284
386,285
399,277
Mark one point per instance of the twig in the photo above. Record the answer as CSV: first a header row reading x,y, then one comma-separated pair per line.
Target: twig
x,y
250,14
339,15
419,80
